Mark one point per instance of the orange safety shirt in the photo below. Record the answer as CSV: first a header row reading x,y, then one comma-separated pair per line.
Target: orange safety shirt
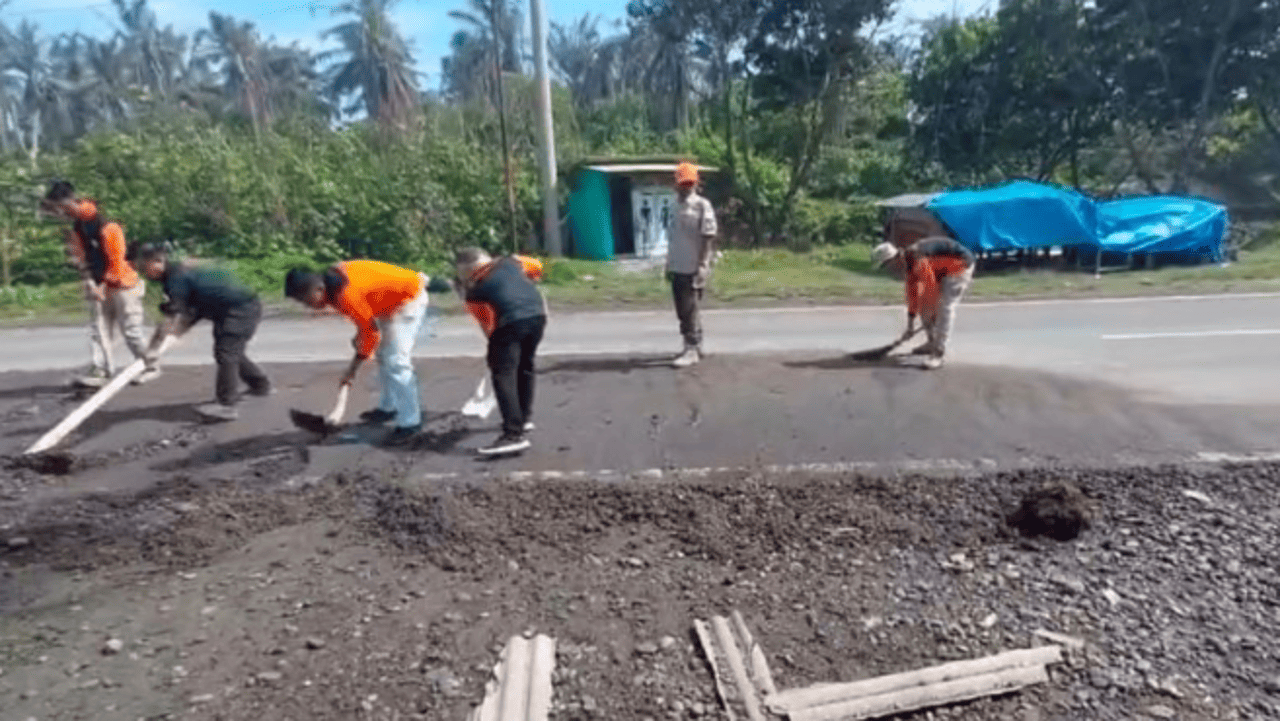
x,y
119,274
373,290
923,279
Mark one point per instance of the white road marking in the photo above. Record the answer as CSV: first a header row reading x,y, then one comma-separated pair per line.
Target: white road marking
x,y
896,306
1211,457
838,468
1192,334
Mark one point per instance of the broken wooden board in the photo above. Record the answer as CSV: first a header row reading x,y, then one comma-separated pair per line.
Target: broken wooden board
x,y
742,678
913,690
521,686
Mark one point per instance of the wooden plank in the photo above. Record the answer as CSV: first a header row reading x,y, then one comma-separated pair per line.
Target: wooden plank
x,y
515,681
717,672
1059,638
920,697
520,689
55,435
794,699
756,662
734,657
544,660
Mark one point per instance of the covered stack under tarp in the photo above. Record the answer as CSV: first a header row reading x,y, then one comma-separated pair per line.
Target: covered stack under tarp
x,y
1024,215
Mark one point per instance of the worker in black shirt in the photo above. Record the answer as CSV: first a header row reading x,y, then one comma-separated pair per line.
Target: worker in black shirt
x,y
511,311
195,293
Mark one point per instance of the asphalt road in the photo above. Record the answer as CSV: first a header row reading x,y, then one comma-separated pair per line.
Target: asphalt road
x,y
1212,349
1079,382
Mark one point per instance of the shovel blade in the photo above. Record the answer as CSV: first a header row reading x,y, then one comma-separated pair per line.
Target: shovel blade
x,y
481,403
873,354
309,421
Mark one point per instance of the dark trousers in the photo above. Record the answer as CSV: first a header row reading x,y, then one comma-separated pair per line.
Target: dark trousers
x,y
231,333
687,298
511,351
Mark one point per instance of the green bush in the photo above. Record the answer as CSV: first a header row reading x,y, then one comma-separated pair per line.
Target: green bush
x,y
301,192
832,222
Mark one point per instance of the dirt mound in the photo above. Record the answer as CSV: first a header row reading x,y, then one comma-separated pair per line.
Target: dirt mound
x,y
1057,510
841,578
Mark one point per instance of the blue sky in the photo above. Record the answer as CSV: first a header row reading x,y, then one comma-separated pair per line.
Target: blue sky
x,y
425,23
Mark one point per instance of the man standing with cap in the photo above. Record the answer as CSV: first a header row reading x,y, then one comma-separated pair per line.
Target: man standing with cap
x,y
112,287
937,272
689,257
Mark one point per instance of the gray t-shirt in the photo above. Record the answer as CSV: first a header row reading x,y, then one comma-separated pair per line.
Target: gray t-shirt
x,y
694,219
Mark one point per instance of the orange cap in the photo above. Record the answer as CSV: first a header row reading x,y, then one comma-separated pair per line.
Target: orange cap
x,y
686,174
85,210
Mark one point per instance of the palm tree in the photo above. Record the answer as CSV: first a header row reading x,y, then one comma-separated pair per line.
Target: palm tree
x,y
581,59
377,66
110,81
500,20
468,72
234,45
159,56
39,98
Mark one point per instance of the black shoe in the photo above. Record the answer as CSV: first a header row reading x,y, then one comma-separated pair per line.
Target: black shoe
x,y
401,435
507,443
377,415
263,391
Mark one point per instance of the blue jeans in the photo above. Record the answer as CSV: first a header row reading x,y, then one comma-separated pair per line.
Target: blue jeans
x,y
399,381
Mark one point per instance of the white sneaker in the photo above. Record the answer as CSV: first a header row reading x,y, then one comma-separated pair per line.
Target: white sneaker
x,y
689,357
528,426
218,412
932,362
92,379
146,376
504,445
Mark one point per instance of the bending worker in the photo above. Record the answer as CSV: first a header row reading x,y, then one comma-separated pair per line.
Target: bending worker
x,y
500,294
111,285
199,292
388,305
937,272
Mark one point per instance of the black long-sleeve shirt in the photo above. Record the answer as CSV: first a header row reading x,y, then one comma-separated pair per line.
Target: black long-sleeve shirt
x,y
197,293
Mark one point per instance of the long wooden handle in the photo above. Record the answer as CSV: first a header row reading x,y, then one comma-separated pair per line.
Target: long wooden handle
x,y
104,394
339,408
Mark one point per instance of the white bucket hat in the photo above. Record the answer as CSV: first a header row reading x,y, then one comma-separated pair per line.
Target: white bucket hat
x,y
883,253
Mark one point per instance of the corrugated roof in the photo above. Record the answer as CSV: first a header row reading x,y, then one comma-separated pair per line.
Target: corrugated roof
x,y
647,168
908,200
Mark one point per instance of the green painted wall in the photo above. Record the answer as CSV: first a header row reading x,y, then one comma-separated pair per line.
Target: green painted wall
x,y
590,216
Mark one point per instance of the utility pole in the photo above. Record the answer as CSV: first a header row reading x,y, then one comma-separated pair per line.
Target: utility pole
x,y
502,124
546,134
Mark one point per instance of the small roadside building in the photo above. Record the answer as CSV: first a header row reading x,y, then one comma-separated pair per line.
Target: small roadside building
x,y
622,208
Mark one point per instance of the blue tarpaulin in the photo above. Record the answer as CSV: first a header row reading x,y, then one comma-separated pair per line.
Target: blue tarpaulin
x,y
1024,215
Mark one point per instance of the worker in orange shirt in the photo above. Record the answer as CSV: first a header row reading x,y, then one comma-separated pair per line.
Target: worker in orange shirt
x,y
937,271
388,305
111,285
512,312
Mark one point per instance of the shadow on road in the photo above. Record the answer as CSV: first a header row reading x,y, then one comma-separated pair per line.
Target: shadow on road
x,y
846,362
33,391
244,449
607,365
169,413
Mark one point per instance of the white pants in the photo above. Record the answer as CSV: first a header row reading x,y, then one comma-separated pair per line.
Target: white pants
x,y
121,310
939,328
399,381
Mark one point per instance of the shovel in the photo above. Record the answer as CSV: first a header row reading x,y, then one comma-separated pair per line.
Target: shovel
x,y
104,394
880,353
482,402
323,425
